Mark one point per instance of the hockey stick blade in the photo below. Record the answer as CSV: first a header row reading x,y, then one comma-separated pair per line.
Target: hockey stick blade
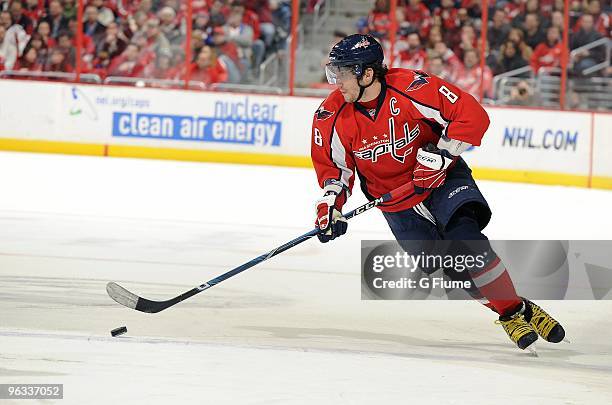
x,y
121,295
133,301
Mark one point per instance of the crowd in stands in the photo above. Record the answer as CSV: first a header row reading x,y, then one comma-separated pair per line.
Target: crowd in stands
x,y
144,38
443,37
230,38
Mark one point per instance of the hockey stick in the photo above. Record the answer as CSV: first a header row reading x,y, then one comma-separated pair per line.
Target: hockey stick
x,y
131,300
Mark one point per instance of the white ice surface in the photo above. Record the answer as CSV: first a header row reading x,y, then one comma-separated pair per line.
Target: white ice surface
x,y
290,331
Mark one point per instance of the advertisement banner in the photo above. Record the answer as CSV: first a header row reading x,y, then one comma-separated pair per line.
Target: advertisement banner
x,y
157,118
602,145
534,145
535,140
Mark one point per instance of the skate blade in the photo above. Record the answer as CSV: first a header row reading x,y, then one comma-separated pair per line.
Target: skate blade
x,y
532,350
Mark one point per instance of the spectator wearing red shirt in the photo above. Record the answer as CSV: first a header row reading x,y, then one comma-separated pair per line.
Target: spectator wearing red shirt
x,y
144,6
227,48
34,9
249,17
241,35
452,63
379,21
453,36
266,25
56,62
414,56
28,62
419,16
199,6
546,7
208,68
161,68
468,78
128,63
548,53
88,51
512,9
448,14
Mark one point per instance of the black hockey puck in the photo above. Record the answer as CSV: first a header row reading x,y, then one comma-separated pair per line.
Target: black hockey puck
x,y
118,331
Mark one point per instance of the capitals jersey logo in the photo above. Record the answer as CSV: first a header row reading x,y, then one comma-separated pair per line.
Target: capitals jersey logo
x,y
396,146
418,81
322,114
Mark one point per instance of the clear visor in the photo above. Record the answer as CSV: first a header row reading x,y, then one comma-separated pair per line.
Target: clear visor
x,y
337,74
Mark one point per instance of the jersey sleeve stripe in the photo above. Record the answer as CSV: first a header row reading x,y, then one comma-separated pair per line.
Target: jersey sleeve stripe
x,y
429,112
338,153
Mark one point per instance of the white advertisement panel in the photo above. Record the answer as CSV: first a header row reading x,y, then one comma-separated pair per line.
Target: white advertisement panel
x,y
535,140
30,110
519,140
157,118
602,145
186,119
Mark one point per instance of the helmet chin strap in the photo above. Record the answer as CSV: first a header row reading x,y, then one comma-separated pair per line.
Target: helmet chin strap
x,y
362,89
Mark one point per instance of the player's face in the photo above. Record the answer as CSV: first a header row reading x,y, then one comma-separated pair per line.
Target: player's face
x,y
349,89
346,81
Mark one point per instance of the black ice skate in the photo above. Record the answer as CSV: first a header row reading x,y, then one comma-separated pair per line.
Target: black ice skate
x,y
544,324
518,329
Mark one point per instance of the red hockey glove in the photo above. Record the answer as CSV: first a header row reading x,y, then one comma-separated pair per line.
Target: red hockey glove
x,y
430,169
329,219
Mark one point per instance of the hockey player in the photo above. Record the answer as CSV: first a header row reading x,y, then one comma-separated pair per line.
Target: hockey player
x,y
396,126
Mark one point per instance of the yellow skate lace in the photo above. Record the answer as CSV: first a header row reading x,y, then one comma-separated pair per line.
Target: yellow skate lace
x,y
516,327
541,321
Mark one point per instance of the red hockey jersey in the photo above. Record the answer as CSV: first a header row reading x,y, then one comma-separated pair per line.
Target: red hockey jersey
x,y
380,145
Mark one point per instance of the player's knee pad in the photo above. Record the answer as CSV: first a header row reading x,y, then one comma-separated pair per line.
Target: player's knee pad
x,y
464,224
